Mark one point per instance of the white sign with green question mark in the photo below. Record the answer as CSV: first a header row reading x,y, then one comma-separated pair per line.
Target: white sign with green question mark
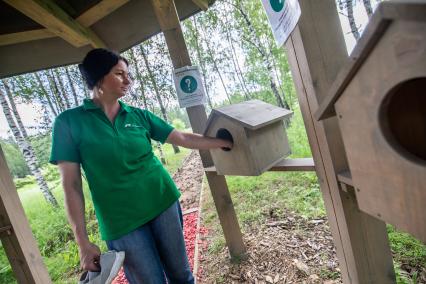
x,y
189,86
283,16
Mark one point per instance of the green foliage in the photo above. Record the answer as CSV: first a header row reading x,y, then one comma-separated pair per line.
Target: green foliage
x,y
14,159
406,248
21,182
178,124
297,137
41,145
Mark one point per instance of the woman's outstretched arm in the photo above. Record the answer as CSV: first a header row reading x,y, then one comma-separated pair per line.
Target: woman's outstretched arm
x,y
196,141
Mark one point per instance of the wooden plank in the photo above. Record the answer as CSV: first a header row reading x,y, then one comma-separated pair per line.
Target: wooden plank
x,y
316,53
291,165
286,165
56,20
14,38
165,11
203,4
20,245
99,11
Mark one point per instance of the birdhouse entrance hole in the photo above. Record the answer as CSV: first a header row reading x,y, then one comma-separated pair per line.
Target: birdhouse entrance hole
x,y
224,134
403,118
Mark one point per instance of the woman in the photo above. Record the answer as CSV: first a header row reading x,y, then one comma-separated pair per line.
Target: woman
x,y
135,199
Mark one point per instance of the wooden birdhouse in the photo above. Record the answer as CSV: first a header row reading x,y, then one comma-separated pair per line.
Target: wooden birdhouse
x,y
380,101
257,130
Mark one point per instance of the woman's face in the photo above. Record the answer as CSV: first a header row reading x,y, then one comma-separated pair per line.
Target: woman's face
x,y
117,82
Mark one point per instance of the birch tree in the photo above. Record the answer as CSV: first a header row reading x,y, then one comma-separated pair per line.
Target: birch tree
x,y
21,138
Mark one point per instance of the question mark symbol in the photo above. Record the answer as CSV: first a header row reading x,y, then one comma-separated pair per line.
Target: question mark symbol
x,y
188,83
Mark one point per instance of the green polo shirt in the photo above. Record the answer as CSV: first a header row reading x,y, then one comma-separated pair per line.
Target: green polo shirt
x,y
128,184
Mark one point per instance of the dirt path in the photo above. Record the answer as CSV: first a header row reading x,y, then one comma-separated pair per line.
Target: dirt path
x,y
188,178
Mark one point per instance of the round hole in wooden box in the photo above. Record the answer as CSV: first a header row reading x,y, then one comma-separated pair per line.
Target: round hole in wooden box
x,y
403,119
224,134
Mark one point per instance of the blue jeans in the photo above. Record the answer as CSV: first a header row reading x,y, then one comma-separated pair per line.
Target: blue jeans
x,y
156,250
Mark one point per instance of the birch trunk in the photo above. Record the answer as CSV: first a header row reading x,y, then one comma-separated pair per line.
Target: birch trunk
x,y
21,126
368,8
157,92
235,59
46,94
138,76
202,63
351,19
57,77
74,93
55,91
215,67
263,53
28,152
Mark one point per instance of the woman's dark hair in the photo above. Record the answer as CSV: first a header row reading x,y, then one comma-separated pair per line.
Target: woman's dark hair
x,y
97,63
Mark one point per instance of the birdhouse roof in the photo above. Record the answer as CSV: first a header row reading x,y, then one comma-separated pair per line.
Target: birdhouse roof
x,y
36,35
252,114
386,13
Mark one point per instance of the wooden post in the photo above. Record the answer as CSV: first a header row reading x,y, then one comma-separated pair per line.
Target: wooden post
x,y
15,233
316,52
165,11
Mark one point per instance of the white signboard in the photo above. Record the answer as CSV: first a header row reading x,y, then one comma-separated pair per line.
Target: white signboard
x,y
283,16
189,86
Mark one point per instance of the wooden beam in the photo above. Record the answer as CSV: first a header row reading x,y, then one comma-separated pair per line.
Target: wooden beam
x,y
17,238
99,11
165,11
7,39
203,4
316,53
56,20
286,165
86,19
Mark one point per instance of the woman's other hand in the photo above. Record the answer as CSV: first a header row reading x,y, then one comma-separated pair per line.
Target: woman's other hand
x,y
89,257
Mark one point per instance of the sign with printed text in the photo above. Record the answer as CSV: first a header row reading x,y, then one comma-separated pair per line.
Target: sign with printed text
x,y
283,16
189,86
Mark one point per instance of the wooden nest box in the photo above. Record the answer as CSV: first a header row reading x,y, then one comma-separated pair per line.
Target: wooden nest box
x,y
257,130
380,101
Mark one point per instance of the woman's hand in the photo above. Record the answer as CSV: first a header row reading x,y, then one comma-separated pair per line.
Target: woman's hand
x,y
226,145
89,257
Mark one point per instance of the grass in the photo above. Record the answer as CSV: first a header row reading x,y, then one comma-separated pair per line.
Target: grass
x,y
51,229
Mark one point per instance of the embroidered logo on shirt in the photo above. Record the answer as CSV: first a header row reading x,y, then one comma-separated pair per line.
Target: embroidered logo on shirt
x,y
132,125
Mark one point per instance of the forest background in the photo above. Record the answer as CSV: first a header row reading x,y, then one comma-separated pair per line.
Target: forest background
x,y
233,46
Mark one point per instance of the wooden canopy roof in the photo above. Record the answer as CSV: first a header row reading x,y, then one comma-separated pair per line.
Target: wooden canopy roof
x,y
39,34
